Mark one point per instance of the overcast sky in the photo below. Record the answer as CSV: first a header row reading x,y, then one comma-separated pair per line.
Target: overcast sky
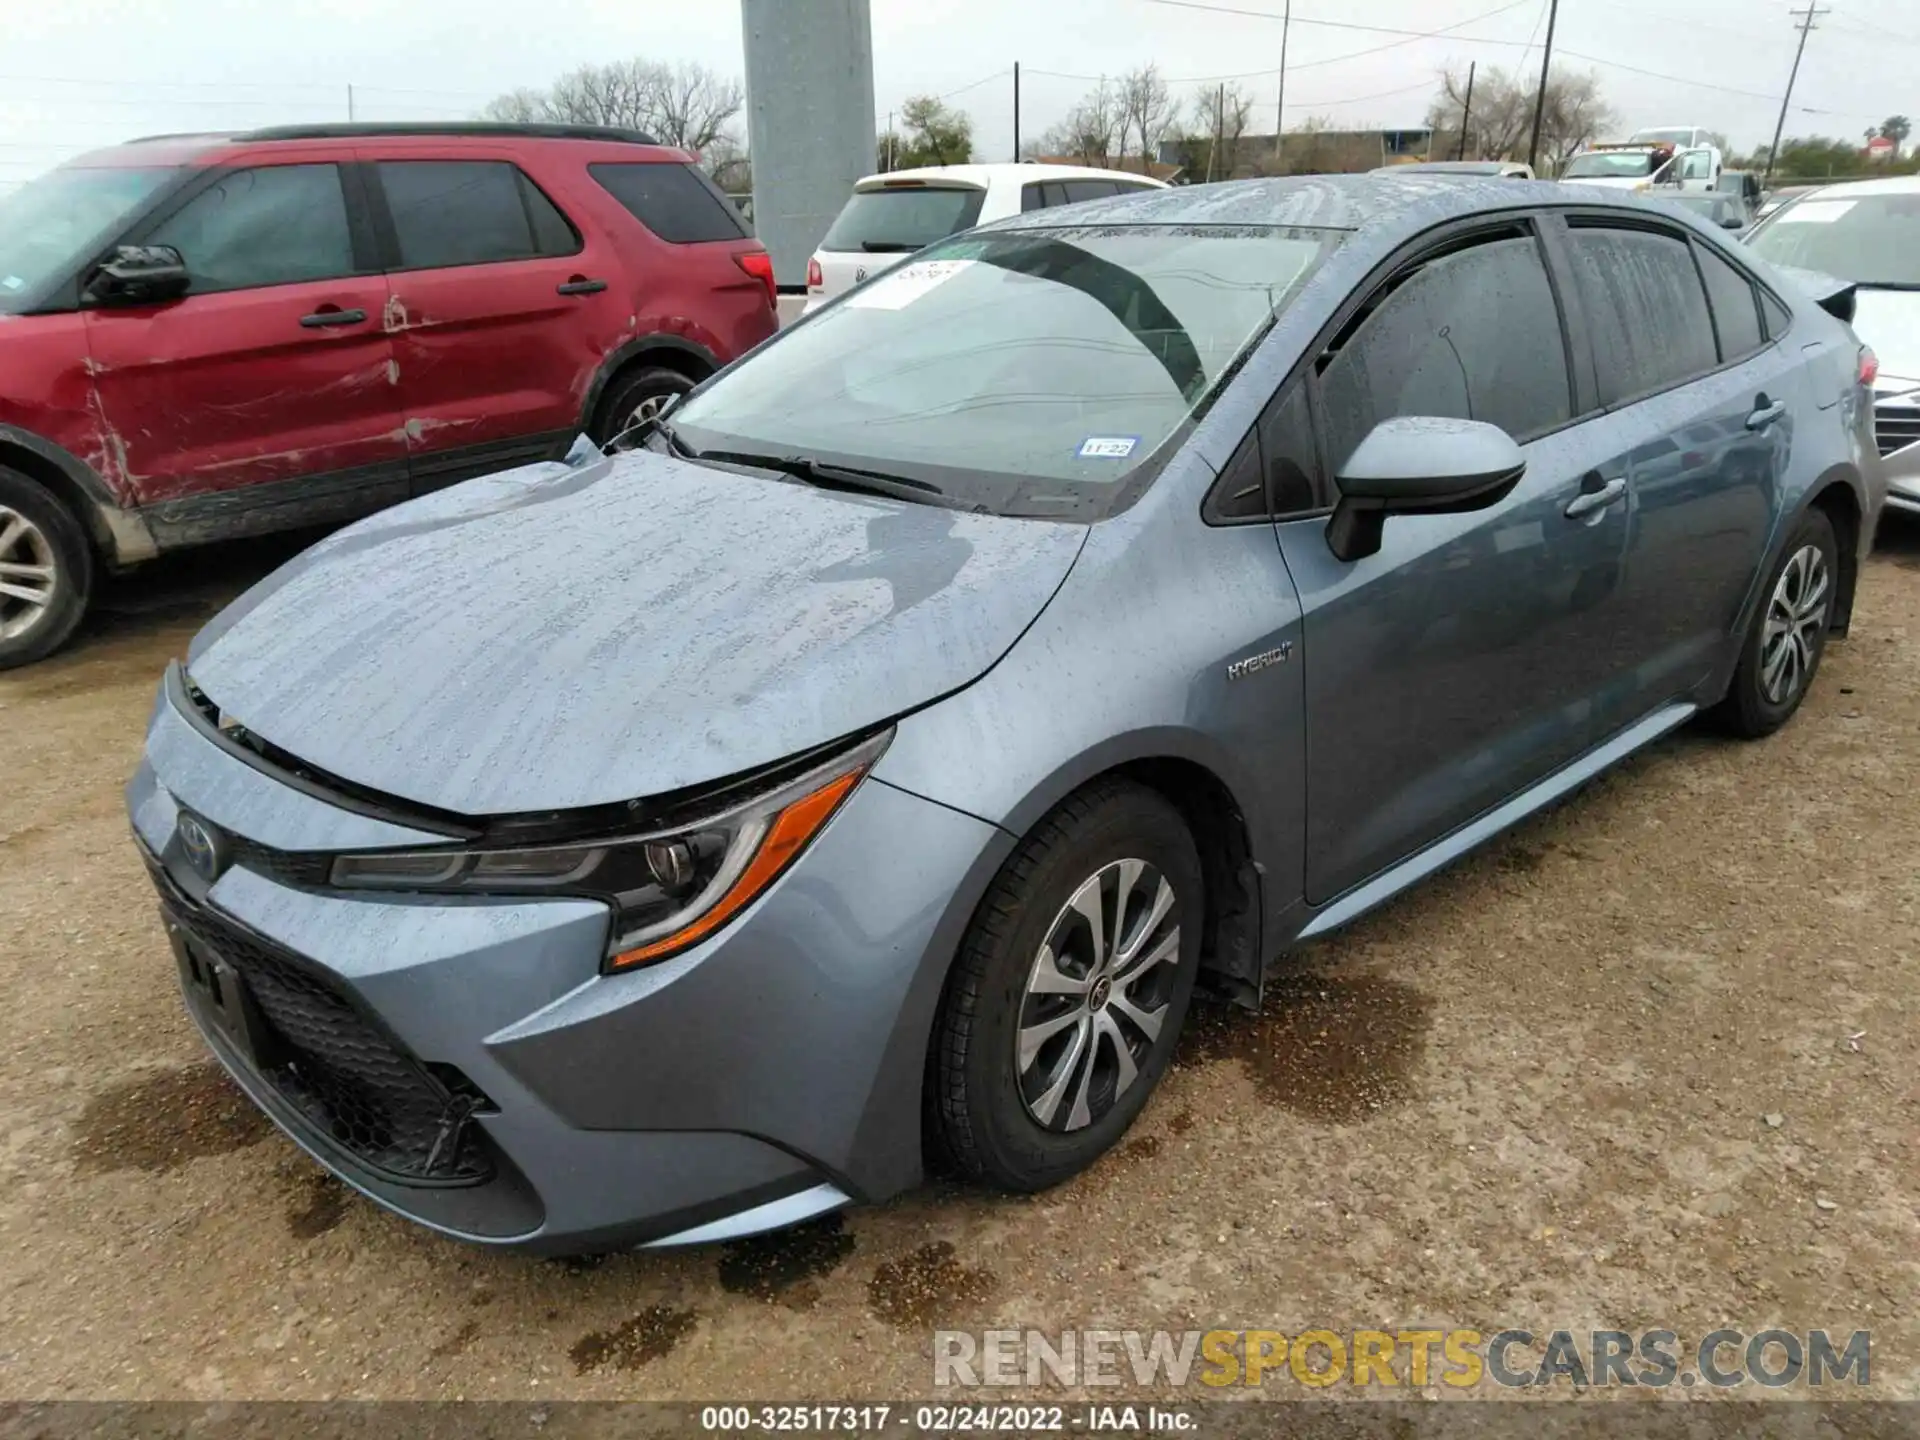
x,y
75,74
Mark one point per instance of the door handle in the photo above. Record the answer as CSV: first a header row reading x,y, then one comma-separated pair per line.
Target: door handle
x,y
1591,502
1765,414
320,319
580,285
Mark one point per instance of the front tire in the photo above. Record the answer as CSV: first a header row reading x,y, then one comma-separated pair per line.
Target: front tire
x,y
46,571
1788,636
634,398
1068,995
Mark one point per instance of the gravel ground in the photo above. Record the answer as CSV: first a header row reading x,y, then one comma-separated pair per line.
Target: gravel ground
x,y
1648,1061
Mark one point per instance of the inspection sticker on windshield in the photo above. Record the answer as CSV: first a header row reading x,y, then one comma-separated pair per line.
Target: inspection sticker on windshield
x,y
1815,212
898,289
1107,447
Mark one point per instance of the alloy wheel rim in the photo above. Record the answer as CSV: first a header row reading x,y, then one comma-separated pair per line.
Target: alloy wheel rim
x,y
1796,619
28,574
1097,995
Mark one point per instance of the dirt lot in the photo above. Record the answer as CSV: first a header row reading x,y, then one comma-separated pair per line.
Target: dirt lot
x,y
1536,1092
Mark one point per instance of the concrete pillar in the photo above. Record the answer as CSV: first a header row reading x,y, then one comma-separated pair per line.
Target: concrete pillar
x,y
809,119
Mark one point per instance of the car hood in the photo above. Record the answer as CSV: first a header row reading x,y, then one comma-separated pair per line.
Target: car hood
x,y
1889,321
566,636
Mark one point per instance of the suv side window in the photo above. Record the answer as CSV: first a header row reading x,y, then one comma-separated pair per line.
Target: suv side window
x,y
1472,335
470,212
1078,190
675,202
1736,309
1645,308
273,225
1032,196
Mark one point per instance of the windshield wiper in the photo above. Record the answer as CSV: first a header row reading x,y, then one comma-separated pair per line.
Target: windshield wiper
x,y
888,247
828,476
1886,284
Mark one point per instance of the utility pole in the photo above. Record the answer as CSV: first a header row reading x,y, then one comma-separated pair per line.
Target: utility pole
x,y
1466,111
1016,110
1280,110
349,104
1806,18
1219,128
1540,100
889,141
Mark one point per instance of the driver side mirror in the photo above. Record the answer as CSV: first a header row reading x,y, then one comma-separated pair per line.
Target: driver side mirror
x,y
139,275
1419,465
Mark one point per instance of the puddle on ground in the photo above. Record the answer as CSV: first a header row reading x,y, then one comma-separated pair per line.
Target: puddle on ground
x,y
921,1288
164,1120
785,1265
320,1204
647,1336
1337,1049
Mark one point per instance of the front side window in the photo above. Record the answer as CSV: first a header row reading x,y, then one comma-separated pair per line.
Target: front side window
x,y
1032,371
1872,240
53,225
1474,335
1645,309
275,225
902,218
470,212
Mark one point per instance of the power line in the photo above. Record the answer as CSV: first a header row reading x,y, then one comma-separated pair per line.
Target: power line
x,y
975,85
1337,24
1671,79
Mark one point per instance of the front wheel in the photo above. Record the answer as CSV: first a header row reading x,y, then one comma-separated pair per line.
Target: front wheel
x,y
1070,989
46,571
633,400
1789,635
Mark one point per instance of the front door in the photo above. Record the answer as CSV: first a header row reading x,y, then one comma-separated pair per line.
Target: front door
x,y
1474,653
265,395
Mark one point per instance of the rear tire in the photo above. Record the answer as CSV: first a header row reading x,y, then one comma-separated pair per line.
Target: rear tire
x,y
632,396
46,571
1782,651
1030,1082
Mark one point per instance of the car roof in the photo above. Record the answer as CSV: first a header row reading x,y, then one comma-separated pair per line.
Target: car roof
x,y
1885,185
1328,202
181,148
1452,167
1019,173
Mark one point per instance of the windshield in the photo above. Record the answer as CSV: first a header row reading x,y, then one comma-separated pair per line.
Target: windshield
x,y
1029,371
1611,165
1663,137
908,218
1870,240
50,226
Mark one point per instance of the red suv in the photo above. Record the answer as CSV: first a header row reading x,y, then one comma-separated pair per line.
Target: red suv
x,y
211,336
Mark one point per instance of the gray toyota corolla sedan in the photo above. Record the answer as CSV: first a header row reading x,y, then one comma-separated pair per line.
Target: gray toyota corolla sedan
x,y
871,762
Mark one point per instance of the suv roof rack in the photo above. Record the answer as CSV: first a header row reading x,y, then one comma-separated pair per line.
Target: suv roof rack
x,y
458,127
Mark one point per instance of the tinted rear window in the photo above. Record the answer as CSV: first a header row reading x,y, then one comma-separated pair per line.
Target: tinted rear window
x,y
675,202
470,212
904,219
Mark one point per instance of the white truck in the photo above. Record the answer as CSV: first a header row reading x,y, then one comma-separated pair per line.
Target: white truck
x,y
1652,160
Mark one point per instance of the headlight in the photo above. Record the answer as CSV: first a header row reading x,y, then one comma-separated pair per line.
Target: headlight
x,y
669,888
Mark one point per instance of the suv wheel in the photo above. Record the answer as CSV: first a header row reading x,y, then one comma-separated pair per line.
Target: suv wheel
x,y
635,398
1783,649
1069,991
46,571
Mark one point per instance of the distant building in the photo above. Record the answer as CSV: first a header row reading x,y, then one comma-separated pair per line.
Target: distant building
x,y
1161,169
1306,151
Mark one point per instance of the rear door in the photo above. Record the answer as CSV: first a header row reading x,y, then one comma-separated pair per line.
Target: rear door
x,y
1474,654
1701,414
265,396
502,311
887,220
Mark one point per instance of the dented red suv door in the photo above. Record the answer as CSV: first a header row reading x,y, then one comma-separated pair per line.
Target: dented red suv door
x,y
275,367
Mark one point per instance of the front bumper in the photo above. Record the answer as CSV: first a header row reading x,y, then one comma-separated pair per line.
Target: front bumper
x,y
771,1073
1897,437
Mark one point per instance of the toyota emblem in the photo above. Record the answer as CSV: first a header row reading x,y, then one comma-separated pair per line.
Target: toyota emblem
x,y
203,846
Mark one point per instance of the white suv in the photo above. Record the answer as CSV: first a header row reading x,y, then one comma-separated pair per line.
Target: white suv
x,y
890,216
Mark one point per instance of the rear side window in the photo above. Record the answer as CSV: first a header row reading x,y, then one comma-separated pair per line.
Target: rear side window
x,y
470,212
1736,310
276,225
1778,316
675,202
903,219
1078,190
1474,335
1645,309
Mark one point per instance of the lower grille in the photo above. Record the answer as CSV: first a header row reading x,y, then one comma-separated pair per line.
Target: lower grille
x,y
352,1083
1895,426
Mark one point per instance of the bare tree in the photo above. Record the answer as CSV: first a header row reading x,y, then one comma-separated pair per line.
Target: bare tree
x,y
688,106
1501,125
1146,111
1093,130
1217,117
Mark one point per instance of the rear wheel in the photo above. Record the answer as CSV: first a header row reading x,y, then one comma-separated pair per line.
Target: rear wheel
x,y
1789,635
46,571
1070,989
633,399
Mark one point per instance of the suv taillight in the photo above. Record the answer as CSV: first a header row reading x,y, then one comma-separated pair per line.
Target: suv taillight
x,y
815,280
759,264
1869,366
